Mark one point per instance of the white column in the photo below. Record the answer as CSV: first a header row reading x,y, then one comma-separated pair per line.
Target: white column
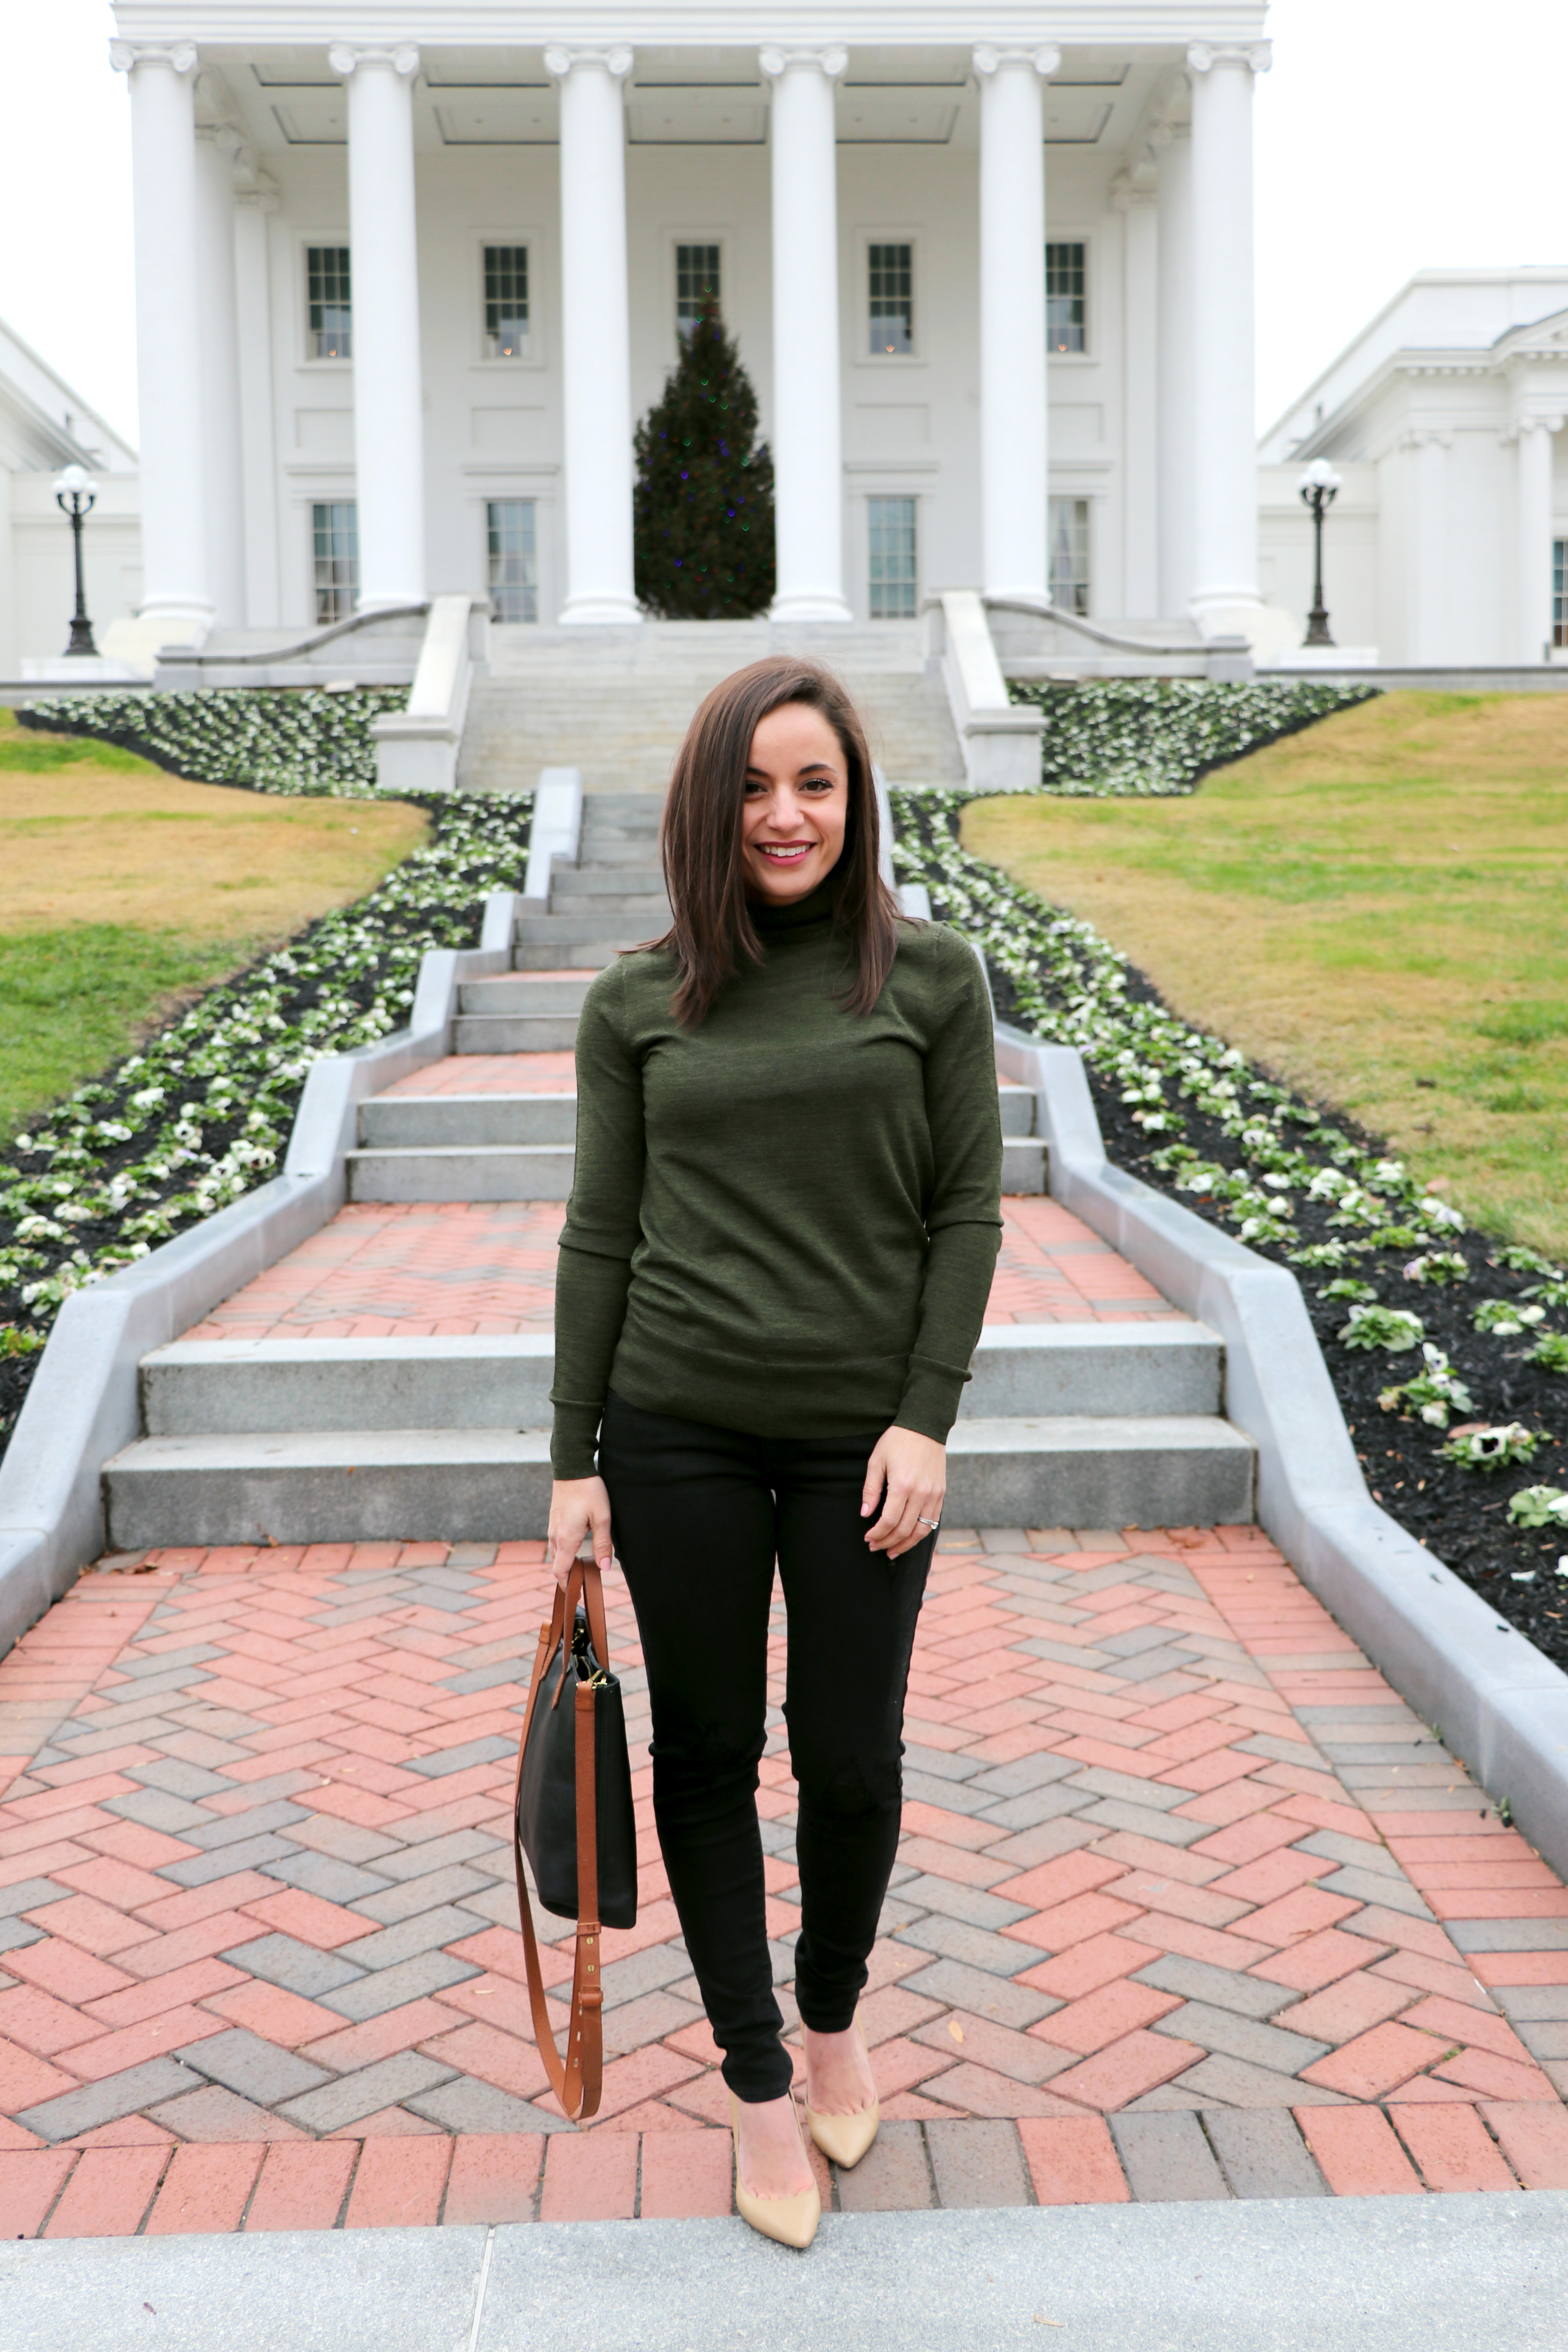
x,y
1133,195
1015,424
596,335
1175,459
384,274
168,333
1532,537
1225,595
808,449
253,282
1426,487
222,465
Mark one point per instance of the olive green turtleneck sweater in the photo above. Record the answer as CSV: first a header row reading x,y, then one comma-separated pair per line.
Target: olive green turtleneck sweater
x,y
786,1219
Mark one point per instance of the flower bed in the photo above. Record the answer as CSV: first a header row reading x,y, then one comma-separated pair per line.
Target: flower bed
x,y
1113,738
202,1113
1446,1348
266,739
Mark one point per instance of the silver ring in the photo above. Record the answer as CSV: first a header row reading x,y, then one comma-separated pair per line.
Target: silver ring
x,y
926,1523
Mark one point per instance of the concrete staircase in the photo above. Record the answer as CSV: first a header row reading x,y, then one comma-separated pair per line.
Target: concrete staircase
x,y
1063,1425
616,702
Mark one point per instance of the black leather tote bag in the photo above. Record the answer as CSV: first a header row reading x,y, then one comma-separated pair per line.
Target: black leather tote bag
x,y
571,1816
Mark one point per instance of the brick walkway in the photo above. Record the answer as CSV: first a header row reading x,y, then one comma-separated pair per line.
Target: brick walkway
x,y
1188,1904
457,1267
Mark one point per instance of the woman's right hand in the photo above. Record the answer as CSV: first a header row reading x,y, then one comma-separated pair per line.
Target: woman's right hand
x,y
578,1507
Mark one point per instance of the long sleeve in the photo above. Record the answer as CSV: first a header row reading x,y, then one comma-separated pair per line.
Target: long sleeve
x,y
601,1228
964,1215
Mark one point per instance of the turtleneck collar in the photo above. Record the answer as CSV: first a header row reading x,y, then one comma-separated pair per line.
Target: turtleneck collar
x,y
814,910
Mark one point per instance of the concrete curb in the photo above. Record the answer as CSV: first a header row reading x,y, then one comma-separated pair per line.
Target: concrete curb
x,y
1386,2273
1497,1701
83,1405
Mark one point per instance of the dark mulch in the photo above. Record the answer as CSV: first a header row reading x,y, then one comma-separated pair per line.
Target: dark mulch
x,y
1460,1514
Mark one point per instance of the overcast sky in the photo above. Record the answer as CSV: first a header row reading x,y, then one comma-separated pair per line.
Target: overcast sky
x,y
1393,135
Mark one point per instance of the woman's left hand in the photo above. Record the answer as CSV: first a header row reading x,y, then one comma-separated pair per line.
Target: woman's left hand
x,y
913,1470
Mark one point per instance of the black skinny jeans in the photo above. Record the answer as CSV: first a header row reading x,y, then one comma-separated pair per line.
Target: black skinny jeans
x,y
699,1515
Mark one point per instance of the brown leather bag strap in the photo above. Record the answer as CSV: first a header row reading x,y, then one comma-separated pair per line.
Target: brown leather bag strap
x,y
576,2080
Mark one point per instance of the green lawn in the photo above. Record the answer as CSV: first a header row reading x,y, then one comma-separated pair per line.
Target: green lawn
x,y
124,887
1377,908
71,1000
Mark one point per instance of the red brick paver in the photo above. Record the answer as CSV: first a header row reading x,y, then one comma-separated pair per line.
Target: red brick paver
x,y
417,1270
320,2023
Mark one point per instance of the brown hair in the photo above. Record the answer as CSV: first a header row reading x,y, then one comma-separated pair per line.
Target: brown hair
x,y
712,935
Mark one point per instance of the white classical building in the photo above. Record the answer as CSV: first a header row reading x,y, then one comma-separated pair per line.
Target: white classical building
x,y
1445,418
408,270
45,425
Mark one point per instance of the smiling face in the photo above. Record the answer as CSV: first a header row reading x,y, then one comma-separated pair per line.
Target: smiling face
x,y
797,803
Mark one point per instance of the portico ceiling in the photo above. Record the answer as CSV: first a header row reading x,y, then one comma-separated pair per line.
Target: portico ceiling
x,y
920,95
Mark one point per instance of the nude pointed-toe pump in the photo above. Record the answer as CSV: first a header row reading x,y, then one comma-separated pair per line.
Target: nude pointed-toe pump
x,y
844,2139
788,2220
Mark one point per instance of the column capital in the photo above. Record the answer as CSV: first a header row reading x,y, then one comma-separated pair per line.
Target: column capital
x,y
180,57
346,58
1138,185
1046,58
1204,55
1535,424
559,60
830,61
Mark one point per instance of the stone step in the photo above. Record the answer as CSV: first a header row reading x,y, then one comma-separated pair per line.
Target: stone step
x,y
606,885
570,939
452,1169
539,956
497,1380
488,1486
407,1122
520,992
400,1121
514,1033
465,1171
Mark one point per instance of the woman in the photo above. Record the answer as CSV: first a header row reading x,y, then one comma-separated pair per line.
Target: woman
x,y
775,1267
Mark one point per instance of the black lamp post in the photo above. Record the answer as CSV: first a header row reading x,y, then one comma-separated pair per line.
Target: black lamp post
x,y
1319,486
76,496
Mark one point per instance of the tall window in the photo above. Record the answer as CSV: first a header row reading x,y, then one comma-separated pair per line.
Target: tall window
x,y
696,282
891,273
506,301
1560,592
331,311
894,573
514,559
334,532
1069,554
1067,302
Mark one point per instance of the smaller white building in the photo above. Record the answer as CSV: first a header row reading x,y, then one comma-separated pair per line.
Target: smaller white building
x,y
45,425
1448,544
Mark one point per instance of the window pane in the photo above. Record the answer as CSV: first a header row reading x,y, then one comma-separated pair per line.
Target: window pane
x,y
335,530
893,568
506,301
1069,554
513,559
1560,592
893,298
696,281
331,312
1067,308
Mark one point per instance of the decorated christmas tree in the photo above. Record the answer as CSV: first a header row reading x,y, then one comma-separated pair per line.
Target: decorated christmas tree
x,y
703,505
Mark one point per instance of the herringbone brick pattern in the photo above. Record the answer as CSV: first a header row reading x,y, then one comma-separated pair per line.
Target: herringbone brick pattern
x,y
414,1270
1188,1904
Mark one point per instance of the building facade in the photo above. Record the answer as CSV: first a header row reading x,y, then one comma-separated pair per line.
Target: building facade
x,y
1445,419
407,275
45,425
